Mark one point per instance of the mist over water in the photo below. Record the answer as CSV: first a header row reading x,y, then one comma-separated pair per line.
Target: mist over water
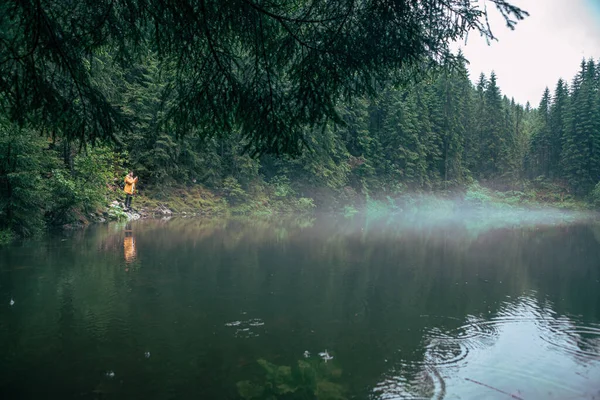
x,y
419,298
415,212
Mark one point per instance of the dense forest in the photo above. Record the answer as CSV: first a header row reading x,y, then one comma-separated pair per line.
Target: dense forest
x,y
301,129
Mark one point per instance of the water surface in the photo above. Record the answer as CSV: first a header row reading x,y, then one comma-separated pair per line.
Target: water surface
x,y
319,307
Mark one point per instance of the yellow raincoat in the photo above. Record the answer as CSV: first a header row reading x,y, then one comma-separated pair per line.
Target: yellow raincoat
x,y
130,184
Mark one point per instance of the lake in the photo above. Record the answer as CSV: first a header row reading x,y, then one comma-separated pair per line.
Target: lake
x,y
315,307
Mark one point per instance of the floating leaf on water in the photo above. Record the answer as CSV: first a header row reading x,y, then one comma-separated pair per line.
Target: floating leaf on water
x,y
325,355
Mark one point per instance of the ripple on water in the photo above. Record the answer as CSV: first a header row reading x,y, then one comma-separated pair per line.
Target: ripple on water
x,y
576,340
447,349
451,348
246,329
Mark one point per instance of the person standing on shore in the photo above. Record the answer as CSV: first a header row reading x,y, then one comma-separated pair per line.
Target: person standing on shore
x,y
130,183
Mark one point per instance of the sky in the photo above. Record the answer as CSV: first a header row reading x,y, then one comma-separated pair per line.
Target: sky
x,y
546,46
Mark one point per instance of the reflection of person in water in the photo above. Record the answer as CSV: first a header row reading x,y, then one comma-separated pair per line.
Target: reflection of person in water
x,y
129,245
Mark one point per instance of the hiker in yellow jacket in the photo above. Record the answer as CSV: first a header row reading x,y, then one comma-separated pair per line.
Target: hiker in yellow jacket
x,y
130,182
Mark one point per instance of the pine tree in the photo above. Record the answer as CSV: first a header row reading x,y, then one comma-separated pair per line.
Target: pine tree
x,y
540,140
450,108
521,138
593,126
509,167
475,137
404,141
558,111
493,152
581,153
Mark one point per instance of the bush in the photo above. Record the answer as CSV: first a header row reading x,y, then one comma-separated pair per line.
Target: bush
x,y
85,188
305,204
37,188
116,213
477,194
23,195
232,190
282,187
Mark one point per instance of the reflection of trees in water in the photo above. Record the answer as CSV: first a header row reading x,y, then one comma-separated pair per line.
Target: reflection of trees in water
x,y
365,287
369,290
449,352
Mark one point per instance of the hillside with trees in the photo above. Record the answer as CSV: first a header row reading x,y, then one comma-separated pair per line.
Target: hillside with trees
x,y
268,106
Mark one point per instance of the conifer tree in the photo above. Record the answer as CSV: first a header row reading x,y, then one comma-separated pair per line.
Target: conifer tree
x,y
580,151
450,107
476,135
493,151
540,140
558,111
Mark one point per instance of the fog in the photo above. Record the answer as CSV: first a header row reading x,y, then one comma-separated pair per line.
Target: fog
x,y
417,211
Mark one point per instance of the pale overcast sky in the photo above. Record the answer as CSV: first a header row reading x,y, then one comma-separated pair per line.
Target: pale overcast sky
x,y
547,45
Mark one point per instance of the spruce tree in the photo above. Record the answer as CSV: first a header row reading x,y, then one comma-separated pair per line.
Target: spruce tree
x,y
493,152
509,167
450,107
476,136
580,154
540,140
593,124
558,111
521,138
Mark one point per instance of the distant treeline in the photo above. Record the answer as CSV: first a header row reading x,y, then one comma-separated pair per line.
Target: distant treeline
x,y
437,133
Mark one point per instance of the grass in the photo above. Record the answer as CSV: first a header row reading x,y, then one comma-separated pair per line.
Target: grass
x,y
198,200
195,200
533,195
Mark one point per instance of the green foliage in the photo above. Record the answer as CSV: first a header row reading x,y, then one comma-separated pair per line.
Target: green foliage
x,y
308,379
116,213
437,133
581,144
595,195
305,204
6,236
233,191
23,194
37,188
225,63
281,187
349,211
85,188
478,195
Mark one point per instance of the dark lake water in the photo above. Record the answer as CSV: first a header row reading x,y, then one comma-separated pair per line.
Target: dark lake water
x,y
321,307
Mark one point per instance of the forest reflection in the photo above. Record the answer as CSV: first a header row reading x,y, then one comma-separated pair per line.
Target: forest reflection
x,y
525,351
405,310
